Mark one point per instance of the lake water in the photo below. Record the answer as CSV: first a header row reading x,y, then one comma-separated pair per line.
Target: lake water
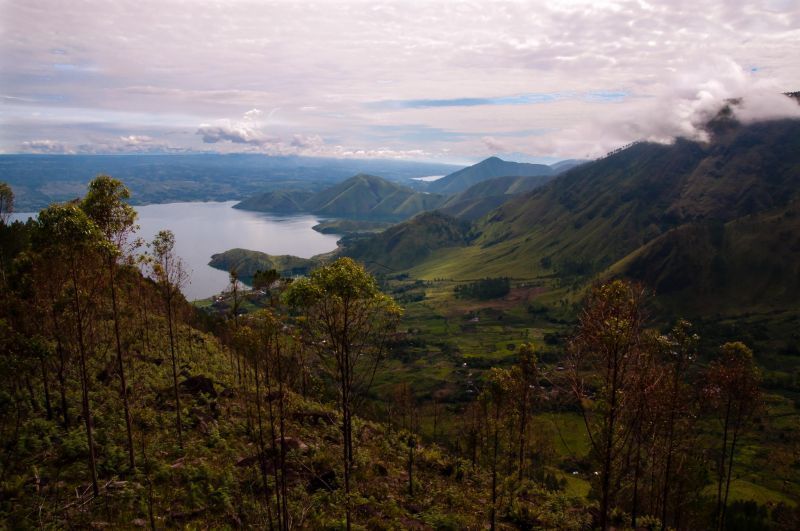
x,y
203,229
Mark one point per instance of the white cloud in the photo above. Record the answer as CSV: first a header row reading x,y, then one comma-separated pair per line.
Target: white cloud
x,y
493,145
46,147
680,106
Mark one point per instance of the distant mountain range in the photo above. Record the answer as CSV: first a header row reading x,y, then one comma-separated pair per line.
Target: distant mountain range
x,y
38,180
474,192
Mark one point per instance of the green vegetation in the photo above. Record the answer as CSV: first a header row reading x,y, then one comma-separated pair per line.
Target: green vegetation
x,y
246,263
403,245
486,288
360,197
350,226
278,201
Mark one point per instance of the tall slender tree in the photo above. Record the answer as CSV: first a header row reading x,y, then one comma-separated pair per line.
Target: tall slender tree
x,y
733,391
602,369
347,321
168,272
65,232
105,204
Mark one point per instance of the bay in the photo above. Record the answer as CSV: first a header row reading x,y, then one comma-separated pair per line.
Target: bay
x,y
203,229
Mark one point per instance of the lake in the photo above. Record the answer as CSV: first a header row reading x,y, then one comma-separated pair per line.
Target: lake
x,y
203,229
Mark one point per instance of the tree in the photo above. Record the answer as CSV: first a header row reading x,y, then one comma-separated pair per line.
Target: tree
x,y
6,208
603,358
105,205
678,351
526,378
346,321
6,202
168,272
496,396
733,392
65,232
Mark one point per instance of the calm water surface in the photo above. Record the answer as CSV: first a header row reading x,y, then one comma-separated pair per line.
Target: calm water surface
x,y
203,229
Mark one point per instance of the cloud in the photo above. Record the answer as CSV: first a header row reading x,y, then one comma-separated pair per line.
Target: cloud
x,y
122,144
680,107
311,142
494,145
252,114
46,147
238,133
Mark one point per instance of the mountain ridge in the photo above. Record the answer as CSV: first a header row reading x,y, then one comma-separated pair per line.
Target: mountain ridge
x,y
460,180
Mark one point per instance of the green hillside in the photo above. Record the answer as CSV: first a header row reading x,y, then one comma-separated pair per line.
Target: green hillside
x,y
402,245
278,201
492,167
480,199
247,262
360,197
594,215
751,262
350,226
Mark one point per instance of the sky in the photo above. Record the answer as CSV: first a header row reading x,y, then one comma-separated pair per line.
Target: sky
x,y
441,81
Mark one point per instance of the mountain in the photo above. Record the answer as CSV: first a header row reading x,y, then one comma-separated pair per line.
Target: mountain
x,y
404,244
480,199
717,218
278,201
492,167
247,262
360,197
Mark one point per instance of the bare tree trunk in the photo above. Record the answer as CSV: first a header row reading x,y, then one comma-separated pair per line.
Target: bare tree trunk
x,y
493,513
87,415
62,367
121,366
170,326
730,469
721,465
45,384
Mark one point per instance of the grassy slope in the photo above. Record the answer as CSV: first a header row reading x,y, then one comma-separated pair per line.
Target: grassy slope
x,y
400,246
367,196
483,197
